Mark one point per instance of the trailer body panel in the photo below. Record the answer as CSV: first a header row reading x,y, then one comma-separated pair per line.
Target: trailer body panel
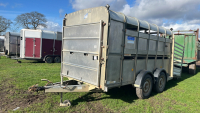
x,y
115,55
37,44
12,43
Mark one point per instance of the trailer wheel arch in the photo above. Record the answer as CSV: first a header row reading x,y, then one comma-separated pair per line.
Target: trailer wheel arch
x,y
157,72
140,77
157,75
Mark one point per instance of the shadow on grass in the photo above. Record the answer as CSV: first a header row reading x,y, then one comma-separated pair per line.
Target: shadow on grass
x,y
32,61
128,93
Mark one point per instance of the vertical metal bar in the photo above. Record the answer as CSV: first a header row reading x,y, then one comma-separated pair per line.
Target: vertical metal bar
x,y
156,47
164,50
33,47
169,66
136,47
123,46
61,76
100,49
147,48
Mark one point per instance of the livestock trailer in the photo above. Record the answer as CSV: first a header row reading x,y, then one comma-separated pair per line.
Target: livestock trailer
x,y
2,38
40,45
103,49
12,44
189,39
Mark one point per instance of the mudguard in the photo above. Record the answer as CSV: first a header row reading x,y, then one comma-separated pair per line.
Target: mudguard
x,y
157,73
140,77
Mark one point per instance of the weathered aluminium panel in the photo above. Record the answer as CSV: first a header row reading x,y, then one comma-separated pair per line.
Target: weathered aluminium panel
x,y
81,46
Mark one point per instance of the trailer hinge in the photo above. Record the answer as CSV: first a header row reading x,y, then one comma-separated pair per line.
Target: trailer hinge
x,y
104,24
124,30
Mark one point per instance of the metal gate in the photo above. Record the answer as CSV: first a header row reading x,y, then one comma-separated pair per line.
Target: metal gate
x,y
178,59
81,52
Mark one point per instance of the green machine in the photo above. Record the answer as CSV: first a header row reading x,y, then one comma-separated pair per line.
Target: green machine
x,y
188,39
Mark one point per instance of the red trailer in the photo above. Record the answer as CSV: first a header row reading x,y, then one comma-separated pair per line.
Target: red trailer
x,y
40,45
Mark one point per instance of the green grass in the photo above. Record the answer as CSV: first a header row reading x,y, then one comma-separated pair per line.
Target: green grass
x,y
179,96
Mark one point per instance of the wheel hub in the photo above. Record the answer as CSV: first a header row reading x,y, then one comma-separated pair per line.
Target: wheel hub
x,y
161,82
146,86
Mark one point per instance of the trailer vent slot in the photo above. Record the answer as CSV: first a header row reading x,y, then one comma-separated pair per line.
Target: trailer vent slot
x,y
95,57
85,54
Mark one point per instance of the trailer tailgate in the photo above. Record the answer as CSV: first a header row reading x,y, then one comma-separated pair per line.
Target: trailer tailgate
x,y
80,52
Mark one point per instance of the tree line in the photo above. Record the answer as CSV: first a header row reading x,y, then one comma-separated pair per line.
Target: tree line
x,y
31,20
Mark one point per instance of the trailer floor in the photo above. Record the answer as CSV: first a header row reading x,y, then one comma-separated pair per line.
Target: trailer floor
x,y
15,78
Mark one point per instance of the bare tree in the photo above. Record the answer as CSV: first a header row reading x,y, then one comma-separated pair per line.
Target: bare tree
x,y
4,24
31,20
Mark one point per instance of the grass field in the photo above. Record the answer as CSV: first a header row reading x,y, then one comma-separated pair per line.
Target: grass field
x,y
179,96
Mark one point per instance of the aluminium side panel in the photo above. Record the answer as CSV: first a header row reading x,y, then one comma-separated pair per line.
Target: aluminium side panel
x,y
115,42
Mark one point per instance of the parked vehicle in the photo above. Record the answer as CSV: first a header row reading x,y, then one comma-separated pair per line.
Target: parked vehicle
x,y
103,49
2,38
40,45
12,44
189,39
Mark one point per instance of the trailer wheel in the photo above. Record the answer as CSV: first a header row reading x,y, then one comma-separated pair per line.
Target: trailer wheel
x,y
57,60
49,60
192,68
145,91
160,83
6,52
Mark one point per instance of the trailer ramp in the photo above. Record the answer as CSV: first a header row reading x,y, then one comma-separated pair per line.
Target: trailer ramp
x,y
178,59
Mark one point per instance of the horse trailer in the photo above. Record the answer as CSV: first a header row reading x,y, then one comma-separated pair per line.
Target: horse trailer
x,y
40,45
12,44
188,39
103,49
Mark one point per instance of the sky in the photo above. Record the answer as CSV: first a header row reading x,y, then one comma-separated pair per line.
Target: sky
x,y
176,14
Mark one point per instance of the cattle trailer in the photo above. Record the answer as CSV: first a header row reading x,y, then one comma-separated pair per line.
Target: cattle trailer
x,y
12,44
103,49
188,39
40,45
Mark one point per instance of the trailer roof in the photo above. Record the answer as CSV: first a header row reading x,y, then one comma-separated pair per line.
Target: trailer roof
x,y
101,13
13,33
39,30
134,21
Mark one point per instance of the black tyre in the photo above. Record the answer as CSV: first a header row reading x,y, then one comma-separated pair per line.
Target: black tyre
x,y
49,60
145,91
57,60
160,83
6,52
